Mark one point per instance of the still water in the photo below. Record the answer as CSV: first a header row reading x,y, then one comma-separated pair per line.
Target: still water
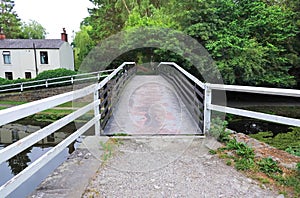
x,y
13,166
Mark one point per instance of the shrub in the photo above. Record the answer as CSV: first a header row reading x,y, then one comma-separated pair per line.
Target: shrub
x,y
55,73
268,166
4,81
218,130
244,163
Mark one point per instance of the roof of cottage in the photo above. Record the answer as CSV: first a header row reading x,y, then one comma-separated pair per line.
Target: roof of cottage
x,y
30,43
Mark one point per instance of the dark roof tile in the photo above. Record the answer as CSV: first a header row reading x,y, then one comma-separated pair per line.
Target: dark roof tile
x,y
28,43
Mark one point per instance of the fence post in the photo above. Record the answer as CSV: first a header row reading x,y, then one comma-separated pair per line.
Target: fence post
x,y
98,76
72,80
207,111
21,87
96,113
47,83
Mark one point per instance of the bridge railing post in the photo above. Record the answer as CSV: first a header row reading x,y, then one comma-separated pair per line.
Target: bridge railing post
x,y
207,111
96,113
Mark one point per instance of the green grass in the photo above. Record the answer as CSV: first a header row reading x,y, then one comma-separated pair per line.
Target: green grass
x,y
289,141
14,103
243,158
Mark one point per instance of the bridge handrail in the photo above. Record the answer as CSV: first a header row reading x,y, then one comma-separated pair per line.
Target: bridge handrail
x,y
253,114
258,90
10,115
208,106
46,82
191,77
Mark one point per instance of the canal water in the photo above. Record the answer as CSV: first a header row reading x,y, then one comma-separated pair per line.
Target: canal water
x,y
11,133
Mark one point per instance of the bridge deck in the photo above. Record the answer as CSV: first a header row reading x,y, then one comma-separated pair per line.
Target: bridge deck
x,y
149,105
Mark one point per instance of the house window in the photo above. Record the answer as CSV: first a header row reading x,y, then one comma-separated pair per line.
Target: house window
x,y
9,75
44,57
6,57
27,75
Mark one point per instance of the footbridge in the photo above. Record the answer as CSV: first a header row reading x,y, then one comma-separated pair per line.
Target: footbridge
x,y
173,102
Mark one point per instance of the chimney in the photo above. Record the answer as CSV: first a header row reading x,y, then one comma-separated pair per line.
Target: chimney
x,y
64,35
2,35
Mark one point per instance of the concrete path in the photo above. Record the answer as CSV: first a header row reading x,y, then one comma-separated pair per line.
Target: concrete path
x,y
72,177
162,166
149,105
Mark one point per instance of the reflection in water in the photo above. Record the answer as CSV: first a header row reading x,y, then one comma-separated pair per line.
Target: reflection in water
x,y
11,133
19,162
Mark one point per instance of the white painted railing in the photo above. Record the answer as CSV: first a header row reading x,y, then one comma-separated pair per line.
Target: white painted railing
x,y
55,81
22,111
251,114
208,106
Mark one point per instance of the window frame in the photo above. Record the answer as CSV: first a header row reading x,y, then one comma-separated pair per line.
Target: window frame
x,y
44,58
28,75
6,57
6,75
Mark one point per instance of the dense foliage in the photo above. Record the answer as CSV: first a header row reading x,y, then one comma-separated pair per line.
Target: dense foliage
x,y
42,76
253,42
13,27
55,73
289,141
33,30
9,20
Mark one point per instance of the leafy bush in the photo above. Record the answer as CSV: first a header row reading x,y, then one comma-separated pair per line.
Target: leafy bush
x,y
55,73
241,149
244,163
4,81
293,151
268,166
282,140
218,130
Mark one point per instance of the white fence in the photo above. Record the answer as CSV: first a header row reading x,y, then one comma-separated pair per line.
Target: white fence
x,y
22,111
55,81
251,114
208,106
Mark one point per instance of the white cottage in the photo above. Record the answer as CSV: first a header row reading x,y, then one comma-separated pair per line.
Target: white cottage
x,y
25,58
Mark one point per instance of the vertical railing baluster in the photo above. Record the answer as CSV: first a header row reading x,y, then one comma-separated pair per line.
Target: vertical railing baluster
x,y
97,112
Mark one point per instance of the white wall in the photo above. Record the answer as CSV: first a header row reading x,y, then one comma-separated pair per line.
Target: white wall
x,y
22,60
53,60
66,56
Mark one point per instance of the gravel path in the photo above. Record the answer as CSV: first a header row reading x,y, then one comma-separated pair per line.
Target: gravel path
x,y
170,167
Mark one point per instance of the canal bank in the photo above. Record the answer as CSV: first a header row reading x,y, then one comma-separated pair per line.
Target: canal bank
x,y
72,177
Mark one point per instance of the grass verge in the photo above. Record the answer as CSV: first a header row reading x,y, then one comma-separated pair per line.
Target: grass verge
x,y
264,169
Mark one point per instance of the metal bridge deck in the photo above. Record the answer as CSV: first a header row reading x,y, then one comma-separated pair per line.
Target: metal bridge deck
x,y
149,105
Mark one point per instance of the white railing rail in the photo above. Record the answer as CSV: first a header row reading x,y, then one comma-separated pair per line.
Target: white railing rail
x,y
22,111
208,106
187,74
252,114
55,81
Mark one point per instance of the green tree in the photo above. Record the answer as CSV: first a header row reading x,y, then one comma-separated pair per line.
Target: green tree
x,y
33,30
246,38
9,20
82,44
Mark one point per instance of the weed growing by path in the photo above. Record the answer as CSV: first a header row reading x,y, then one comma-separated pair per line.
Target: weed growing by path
x,y
265,170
